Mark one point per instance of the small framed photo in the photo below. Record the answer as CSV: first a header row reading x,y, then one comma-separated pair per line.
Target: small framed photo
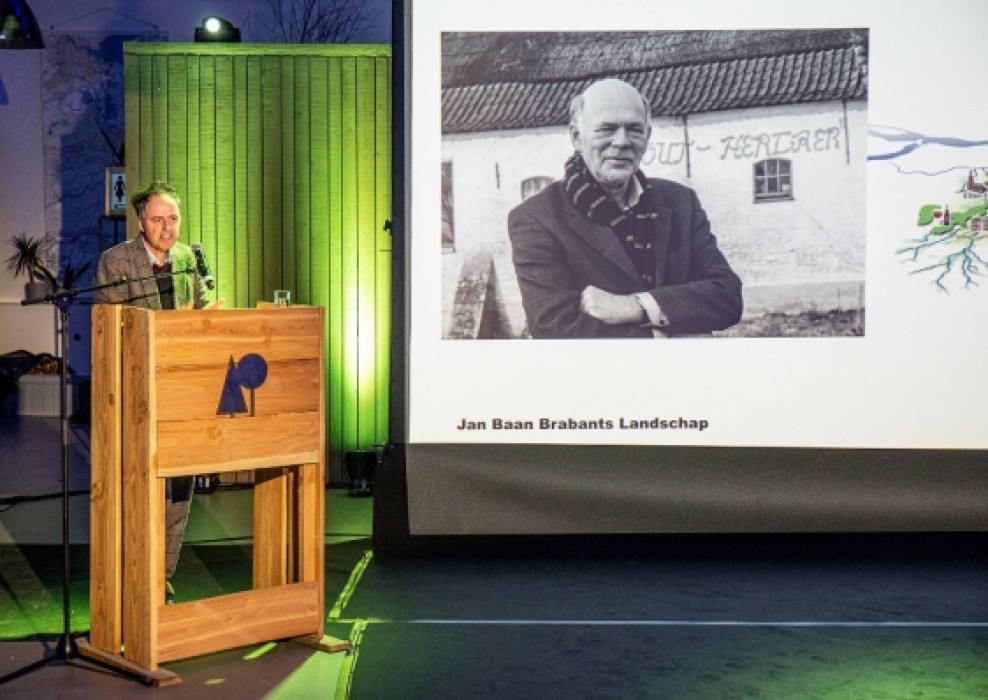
x,y
116,191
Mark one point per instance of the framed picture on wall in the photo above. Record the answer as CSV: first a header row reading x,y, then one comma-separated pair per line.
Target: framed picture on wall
x,y
116,191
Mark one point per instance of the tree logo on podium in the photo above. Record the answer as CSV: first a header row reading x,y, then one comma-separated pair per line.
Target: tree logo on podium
x,y
249,374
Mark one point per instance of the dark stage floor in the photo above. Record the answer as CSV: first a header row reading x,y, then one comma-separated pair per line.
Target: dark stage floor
x,y
892,617
216,559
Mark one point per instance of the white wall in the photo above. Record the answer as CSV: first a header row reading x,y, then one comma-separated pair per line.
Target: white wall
x,y
21,164
21,196
818,235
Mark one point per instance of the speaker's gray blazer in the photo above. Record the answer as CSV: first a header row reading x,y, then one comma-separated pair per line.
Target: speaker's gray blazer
x,y
558,252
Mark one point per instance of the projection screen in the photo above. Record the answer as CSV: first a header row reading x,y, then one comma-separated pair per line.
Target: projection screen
x,y
840,155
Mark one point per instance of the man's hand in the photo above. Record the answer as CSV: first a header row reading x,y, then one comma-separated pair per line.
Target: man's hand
x,y
610,308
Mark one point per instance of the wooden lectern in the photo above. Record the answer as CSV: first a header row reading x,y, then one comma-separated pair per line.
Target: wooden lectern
x,y
180,393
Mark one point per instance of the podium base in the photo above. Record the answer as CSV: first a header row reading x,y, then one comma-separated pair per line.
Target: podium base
x,y
157,678
163,677
331,645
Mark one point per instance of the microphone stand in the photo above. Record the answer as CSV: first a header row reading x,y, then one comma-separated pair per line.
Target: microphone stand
x,y
117,283
67,649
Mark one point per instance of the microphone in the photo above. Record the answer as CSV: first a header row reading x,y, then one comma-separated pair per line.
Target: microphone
x,y
201,267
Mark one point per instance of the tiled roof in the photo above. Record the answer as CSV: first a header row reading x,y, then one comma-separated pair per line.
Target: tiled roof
x,y
798,76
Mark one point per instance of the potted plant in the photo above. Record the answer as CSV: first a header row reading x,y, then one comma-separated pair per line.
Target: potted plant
x,y
29,258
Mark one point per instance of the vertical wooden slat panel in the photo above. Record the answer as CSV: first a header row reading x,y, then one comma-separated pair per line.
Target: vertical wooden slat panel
x,y
382,200
350,279
159,117
178,132
145,137
249,247
296,251
205,224
275,270
366,238
285,177
334,249
192,195
219,242
313,252
262,278
235,245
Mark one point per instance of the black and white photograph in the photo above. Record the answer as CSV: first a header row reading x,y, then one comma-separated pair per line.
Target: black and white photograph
x,y
654,184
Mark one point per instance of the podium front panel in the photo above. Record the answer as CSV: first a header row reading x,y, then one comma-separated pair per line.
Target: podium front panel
x,y
235,389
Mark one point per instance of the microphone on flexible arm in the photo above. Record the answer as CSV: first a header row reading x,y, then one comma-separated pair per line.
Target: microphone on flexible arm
x,y
201,267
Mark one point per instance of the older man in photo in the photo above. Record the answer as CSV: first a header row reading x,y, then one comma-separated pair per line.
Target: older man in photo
x,y
610,253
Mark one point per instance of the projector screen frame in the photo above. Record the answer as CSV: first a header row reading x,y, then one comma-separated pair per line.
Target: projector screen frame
x,y
762,490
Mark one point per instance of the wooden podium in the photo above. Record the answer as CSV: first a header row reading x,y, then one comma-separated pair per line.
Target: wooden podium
x,y
180,393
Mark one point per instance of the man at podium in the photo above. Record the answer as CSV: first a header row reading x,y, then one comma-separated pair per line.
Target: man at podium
x,y
156,271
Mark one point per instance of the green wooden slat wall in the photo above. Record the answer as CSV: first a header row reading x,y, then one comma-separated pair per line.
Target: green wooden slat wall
x,y
282,156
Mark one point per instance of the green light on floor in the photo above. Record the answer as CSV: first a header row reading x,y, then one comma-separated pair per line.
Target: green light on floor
x,y
260,651
319,671
31,591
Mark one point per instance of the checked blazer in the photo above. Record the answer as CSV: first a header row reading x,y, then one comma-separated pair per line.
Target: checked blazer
x,y
129,260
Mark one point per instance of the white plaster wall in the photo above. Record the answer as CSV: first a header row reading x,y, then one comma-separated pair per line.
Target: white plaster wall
x,y
488,169
21,197
819,235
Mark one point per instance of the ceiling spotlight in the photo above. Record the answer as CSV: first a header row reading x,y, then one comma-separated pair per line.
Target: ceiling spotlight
x,y
217,29
18,27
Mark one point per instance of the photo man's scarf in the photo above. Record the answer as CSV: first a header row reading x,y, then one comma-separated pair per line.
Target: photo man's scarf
x,y
633,226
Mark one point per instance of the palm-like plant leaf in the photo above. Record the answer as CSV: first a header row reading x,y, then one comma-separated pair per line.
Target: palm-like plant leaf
x,y
70,274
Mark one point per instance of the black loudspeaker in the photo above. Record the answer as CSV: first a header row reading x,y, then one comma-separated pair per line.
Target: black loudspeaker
x,y
360,467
